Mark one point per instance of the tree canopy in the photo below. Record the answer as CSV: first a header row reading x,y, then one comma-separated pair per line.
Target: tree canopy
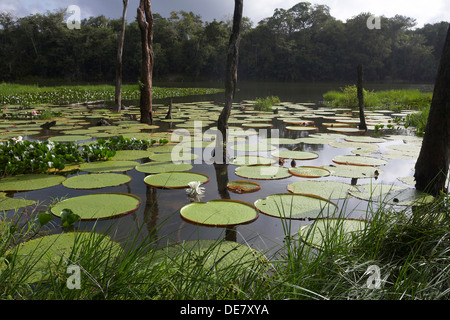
x,y
303,43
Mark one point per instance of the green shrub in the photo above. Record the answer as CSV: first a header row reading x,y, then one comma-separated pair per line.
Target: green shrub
x,y
266,104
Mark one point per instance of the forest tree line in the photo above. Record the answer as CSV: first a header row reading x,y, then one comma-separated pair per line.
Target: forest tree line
x,y
303,43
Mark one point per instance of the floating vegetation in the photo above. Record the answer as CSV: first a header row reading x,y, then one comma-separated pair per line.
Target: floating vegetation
x,y
174,180
96,180
310,172
359,160
160,167
296,155
261,172
243,186
323,189
8,203
28,182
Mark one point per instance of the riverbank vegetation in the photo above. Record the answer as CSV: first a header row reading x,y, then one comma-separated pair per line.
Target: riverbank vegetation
x,y
407,249
302,43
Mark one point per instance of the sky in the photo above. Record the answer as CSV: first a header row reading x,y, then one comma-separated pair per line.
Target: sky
x,y
429,11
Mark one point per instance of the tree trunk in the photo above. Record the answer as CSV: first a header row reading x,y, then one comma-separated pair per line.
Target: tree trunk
x,y
169,112
145,21
230,81
434,158
118,93
360,93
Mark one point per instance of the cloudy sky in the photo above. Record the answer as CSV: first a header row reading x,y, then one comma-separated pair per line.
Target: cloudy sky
x,y
429,11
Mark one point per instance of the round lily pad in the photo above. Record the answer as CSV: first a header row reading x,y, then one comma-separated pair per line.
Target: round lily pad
x,y
99,206
159,167
253,147
219,213
257,125
43,254
327,232
7,203
345,129
323,189
131,155
96,180
359,160
28,182
391,194
174,157
249,160
109,166
243,186
295,206
69,138
296,155
350,171
174,180
364,139
301,128
260,172
309,172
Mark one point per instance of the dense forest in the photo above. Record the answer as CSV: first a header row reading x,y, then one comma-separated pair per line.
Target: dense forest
x,y
303,43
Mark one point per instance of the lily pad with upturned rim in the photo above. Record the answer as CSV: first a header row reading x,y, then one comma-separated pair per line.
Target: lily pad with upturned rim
x,y
249,160
261,172
160,167
131,155
296,155
359,160
69,138
309,172
295,206
174,180
29,182
43,254
99,206
323,189
109,166
243,186
96,180
219,213
7,203
350,171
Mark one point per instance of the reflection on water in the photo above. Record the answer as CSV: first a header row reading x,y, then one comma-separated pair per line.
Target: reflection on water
x,y
158,216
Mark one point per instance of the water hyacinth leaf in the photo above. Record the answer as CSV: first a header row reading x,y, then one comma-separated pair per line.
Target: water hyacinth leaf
x,y
261,172
99,206
359,160
68,218
391,194
309,172
350,171
44,218
323,189
160,167
50,252
243,186
219,213
109,166
174,180
96,180
328,232
28,182
296,155
295,206
7,203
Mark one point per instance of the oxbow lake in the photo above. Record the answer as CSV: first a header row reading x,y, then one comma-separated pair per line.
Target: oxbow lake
x,y
159,211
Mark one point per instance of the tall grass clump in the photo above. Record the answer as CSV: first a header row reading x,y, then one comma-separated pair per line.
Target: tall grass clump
x,y
266,104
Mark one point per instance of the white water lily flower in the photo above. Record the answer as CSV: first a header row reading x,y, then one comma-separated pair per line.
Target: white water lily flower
x,y
17,139
195,191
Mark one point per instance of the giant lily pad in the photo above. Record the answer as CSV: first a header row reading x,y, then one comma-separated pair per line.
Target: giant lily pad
x,y
328,232
243,186
261,172
249,160
219,213
295,206
131,155
96,180
253,147
109,166
174,180
309,172
359,160
174,156
391,194
28,182
99,206
350,171
160,167
46,253
69,138
296,155
323,189
7,203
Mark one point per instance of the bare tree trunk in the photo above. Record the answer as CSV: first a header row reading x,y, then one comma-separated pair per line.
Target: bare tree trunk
x,y
169,112
118,93
230,79
434,158
145,21
360,93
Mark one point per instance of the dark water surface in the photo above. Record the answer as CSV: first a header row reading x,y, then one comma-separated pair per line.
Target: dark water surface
x,y
159,210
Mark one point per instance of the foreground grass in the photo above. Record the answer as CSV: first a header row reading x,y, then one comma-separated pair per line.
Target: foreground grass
x,y
33,94
410,248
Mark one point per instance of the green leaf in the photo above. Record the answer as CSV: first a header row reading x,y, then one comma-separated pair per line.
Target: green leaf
x,y
68,217
44,218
